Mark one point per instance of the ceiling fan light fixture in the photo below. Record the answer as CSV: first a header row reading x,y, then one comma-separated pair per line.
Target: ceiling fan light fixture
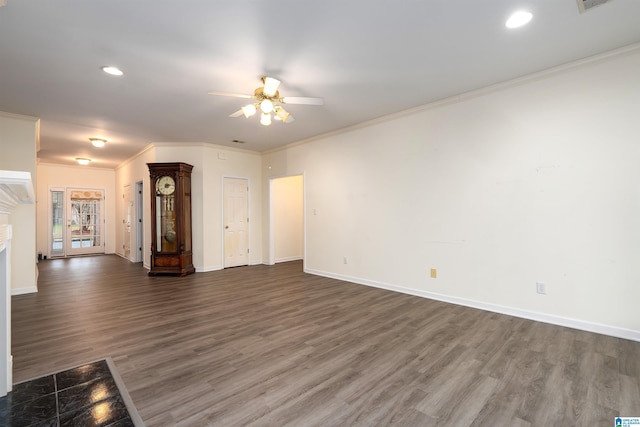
x,y
282,114
266,106
249,110
267,99
98,142
270,86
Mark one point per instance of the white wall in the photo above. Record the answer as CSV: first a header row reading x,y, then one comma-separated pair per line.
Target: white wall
x,y
129,173
64,176
536,180
18,139
288,219
220,162
211,164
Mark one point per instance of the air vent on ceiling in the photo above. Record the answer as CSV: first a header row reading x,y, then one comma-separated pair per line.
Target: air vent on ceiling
x,y
585,5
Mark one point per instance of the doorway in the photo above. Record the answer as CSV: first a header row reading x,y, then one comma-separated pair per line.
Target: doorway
x,y
85,222
76,222
286,219
127,207
235,194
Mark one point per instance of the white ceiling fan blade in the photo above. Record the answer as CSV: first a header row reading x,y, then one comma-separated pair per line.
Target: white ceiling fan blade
x,y
237,113
233,95
303,100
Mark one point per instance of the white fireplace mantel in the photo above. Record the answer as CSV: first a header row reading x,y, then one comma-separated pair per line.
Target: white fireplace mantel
x,y
15,188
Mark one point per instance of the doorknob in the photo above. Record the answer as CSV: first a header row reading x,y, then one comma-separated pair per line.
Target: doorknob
x,y
226,227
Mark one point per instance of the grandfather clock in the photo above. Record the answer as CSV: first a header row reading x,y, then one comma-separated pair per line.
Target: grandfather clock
x,y
171,251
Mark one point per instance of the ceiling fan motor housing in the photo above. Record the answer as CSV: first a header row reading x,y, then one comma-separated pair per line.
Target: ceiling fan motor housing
x,y
259,94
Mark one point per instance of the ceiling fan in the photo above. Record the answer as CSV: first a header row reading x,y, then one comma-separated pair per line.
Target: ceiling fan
x,y
267,100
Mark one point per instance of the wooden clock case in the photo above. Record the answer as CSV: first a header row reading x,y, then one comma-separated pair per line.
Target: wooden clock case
x,y
171,237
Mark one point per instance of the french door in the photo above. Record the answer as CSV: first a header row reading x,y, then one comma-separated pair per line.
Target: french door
x,y
77,222
85,225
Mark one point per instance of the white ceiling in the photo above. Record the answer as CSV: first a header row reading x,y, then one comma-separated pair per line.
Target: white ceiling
x,y
367,59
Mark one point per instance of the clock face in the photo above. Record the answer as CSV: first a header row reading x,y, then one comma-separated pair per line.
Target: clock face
x,y
165,185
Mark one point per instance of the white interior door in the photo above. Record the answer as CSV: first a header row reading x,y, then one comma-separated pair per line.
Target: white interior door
x,y
85,222
236,222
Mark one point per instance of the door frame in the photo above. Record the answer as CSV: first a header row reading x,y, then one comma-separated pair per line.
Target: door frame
x,y
272,241
222,240
126,208
103,219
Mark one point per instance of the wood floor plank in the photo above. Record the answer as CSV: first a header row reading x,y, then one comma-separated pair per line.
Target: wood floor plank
x,y
270,345
629,395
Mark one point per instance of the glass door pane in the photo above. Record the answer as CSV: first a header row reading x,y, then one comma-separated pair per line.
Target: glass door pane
x,y
84,225
57,224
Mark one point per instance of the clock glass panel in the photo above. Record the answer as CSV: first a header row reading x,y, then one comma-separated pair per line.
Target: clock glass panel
x,y
166,237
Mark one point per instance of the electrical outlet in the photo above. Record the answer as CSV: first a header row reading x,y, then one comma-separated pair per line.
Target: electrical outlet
x,y
344,260
434,273
541,288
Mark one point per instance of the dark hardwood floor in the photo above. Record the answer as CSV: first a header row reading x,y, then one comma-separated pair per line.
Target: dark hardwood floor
x,y
272,346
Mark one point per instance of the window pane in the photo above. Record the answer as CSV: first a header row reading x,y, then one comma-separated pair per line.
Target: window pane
x,y
57,223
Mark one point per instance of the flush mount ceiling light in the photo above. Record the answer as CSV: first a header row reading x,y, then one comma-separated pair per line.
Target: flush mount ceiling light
x,y
98,142
114,71
268,102
518,19
83,161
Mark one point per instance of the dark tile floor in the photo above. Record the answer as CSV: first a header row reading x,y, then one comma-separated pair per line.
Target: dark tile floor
x,y
84,396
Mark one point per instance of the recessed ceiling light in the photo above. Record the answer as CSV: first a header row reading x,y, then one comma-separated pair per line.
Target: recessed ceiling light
x,y
518,19
83,161
98,142
114,71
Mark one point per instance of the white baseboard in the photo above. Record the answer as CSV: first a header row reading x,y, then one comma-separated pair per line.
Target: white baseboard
x,y
209,268
583,325
22,291
123,257
221,267
287,259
